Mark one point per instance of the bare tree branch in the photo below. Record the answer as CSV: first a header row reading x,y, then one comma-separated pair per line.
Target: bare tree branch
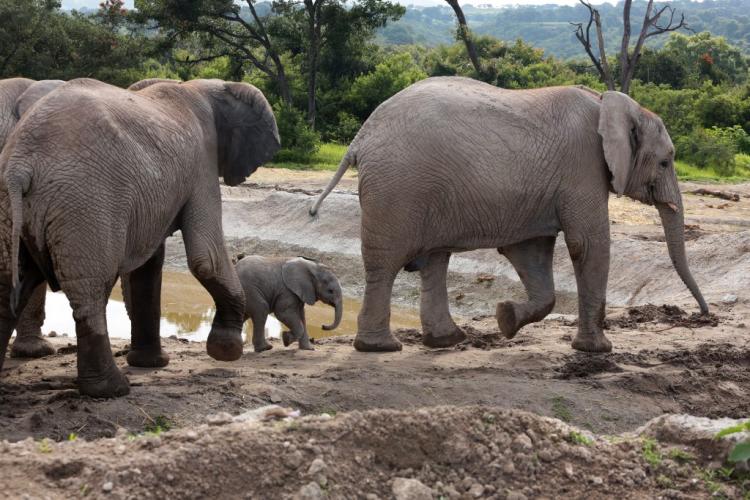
x,y
584,37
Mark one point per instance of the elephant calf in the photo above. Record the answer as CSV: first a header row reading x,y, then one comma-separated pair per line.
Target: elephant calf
x,y
283,287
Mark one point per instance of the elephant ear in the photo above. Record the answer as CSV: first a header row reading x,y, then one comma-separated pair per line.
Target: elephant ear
x,y
248,135
618,127
298,277
142,84
34,93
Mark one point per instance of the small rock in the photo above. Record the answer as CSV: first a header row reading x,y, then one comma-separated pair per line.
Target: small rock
x,y
729,299
52,334
476,490
545,455
568,470
317,466
515,495
221,418
310,491
191,435
274,398
508,468
596,480
410,489
522,442
107,487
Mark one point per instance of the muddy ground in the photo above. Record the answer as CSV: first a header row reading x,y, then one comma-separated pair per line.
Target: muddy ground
x,y
665,360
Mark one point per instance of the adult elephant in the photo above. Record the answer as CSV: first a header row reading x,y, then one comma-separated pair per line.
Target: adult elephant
x,y
18,95
98,177
452,164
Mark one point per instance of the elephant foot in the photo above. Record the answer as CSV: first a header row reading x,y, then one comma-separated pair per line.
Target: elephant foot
x,y
287,339
31,346
263,347
306,345
112,384
224,344
592,343
446,339
506,319
376,342
148,358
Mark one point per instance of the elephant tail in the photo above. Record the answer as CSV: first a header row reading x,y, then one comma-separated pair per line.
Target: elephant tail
x,y
17,182
346,162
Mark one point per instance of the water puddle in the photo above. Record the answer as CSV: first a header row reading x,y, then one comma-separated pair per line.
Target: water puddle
x,y
187,311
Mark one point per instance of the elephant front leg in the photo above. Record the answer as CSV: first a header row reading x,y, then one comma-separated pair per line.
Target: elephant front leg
x,y
438,328
209,262
590,257
29,341
294,319
532,260
141,290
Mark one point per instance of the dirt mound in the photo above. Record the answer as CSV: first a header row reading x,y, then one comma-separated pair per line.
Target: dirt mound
x,y
446,452
665,313
583,365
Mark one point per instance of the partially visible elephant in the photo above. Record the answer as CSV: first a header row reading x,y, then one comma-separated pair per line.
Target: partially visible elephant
x,y
17,96
451,164
283,287
97,178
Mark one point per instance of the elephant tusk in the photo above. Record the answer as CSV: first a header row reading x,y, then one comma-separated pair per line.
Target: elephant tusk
x,y
673,207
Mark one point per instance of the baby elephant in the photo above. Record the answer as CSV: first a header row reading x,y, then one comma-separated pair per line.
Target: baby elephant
x,y
283,287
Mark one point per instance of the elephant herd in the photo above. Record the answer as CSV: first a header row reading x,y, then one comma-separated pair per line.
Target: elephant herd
x,y
95,178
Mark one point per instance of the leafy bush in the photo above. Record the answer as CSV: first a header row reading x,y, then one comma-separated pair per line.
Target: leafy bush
x,y
345,129
299,142
741,451
708,149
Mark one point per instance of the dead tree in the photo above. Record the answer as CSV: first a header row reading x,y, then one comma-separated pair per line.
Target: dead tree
x,y
464,35
628,57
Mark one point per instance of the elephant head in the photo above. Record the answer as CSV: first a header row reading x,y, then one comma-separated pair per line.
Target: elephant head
x,y
245,126
311,281
640,156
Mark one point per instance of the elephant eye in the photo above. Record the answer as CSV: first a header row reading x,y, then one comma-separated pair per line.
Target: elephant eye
x,y
664,163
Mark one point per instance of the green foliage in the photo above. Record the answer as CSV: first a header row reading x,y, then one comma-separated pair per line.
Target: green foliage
x,y
298,141
708,148
561,409
651,453
681,456
327,157
158,425
44,446
741,451
395,73
345,129
576,437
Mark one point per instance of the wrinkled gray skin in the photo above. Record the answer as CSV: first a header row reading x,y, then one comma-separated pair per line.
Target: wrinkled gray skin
x,y
17,96
97,177
283,287
452,164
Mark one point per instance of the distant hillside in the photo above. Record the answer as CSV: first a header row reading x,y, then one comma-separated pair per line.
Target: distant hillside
x,y
548,26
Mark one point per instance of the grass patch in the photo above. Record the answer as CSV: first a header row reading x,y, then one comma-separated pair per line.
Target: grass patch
x,y
651,453
327,157
561,409
578,438
687,172
681,456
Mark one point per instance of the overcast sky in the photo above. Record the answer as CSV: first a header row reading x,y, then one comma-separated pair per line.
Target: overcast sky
x,y
77,4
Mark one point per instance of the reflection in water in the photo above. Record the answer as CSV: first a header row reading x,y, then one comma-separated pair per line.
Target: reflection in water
x,y
188,310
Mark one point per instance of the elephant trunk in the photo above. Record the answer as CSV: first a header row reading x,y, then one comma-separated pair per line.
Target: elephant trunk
x,y
338,305
673,221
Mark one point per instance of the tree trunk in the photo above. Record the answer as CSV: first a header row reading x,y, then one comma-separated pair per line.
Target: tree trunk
x,y
465,35
313,8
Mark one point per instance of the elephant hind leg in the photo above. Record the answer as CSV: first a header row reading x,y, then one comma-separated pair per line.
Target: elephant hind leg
x,y
532,260
373,322
98,375
141,290
438,328
29,341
